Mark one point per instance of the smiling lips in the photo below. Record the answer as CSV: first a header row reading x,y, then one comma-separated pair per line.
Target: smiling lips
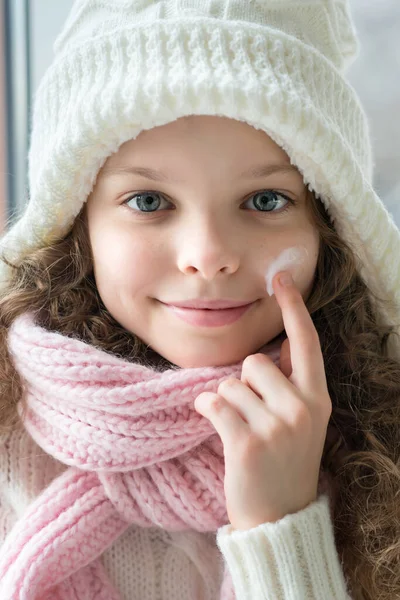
x,y
216,317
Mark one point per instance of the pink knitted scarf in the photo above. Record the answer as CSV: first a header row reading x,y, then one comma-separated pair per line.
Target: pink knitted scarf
x,y
138,453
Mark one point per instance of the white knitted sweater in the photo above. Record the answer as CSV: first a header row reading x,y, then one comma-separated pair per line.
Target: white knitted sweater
x,y
292,559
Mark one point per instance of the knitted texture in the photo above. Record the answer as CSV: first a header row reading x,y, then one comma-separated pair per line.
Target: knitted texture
x,y
122,66
137,452
283,553
293,558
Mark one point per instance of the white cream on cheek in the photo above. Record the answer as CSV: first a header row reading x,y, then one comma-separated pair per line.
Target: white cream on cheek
x,y
291,259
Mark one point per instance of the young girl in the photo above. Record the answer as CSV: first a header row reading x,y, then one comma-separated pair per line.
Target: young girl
x,y
244,444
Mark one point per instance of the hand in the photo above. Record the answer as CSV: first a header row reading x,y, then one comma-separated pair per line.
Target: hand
x,y
273,422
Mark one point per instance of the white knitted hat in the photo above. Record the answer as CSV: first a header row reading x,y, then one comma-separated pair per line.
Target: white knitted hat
x,y
122,66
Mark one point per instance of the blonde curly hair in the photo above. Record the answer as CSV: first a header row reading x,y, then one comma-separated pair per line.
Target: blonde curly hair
x,y
362,448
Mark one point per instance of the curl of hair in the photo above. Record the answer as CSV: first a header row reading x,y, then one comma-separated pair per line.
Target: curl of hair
x,y
362,448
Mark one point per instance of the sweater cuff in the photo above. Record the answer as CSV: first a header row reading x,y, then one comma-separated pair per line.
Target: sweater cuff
x,y
293,558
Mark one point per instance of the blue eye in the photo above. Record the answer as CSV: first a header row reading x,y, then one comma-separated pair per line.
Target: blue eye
x,y
265,201
146,201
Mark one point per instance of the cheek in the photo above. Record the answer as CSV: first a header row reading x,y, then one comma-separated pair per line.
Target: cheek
x,y
299,256
124,261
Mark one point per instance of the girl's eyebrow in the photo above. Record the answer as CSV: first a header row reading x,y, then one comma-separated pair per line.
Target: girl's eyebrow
x,y
253,173
265,170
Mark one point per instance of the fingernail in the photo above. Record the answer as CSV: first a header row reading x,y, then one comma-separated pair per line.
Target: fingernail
x,y
285,279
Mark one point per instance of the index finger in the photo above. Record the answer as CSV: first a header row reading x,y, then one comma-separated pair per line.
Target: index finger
x,y
308,369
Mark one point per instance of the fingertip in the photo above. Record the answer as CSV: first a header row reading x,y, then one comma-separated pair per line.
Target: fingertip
x,y
276,283
285,279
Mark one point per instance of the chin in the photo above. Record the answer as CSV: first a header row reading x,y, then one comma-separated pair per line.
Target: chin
x,y
209,361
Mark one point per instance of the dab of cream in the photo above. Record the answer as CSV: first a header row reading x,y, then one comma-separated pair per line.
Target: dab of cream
x,y
289,260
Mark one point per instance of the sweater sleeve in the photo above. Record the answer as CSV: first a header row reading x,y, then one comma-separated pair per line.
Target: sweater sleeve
x,y
294,558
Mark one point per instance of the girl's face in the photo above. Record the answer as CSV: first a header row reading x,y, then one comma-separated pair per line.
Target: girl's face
x,y
177,214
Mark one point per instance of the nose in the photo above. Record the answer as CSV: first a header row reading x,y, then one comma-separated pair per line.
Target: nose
x,y
208,249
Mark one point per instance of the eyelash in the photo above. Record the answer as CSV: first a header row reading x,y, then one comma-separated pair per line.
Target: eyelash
x,y
291,203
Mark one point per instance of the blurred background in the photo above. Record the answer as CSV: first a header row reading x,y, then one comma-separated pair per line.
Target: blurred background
x,y
28,29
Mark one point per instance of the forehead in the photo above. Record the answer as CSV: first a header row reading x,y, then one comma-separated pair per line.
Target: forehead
x,y
216,137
